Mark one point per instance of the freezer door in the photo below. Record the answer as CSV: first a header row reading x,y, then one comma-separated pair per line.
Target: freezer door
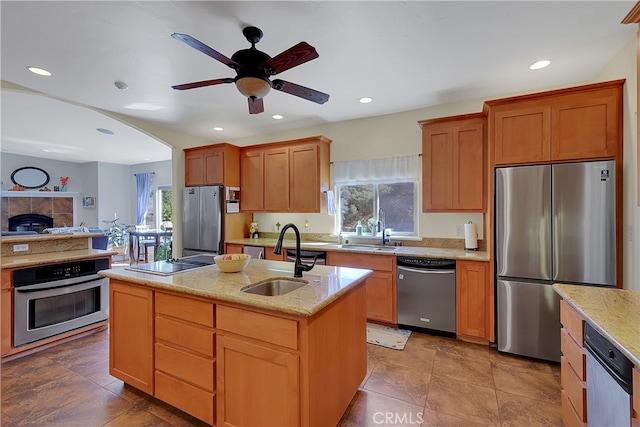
x,y
528,319
523,222
584,222
190,217
210,219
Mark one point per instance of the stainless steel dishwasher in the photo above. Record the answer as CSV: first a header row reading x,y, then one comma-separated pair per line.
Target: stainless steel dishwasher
x,y
426,293
609,382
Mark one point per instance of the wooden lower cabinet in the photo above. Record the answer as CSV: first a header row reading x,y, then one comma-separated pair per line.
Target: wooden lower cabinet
x,y
636,396
6,299
573,367
260,385
185,358
131,334
232,248
381,285
473,293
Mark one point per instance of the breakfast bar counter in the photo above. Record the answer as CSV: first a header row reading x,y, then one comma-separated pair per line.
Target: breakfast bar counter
x,y
195,340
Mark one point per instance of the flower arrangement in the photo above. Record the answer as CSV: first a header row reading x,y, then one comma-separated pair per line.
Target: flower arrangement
x,y
64,180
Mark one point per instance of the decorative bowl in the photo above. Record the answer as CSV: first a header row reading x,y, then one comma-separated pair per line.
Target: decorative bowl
x,y
232,263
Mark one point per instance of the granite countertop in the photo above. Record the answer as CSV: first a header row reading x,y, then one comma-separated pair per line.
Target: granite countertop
x,y
52,257
417,251
47,237
326,284
613,312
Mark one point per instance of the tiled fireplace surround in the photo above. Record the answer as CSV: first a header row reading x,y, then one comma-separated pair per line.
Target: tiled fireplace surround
x,y
60,208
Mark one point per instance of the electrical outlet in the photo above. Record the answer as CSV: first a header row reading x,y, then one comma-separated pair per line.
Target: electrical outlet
x,y
459,231
21,248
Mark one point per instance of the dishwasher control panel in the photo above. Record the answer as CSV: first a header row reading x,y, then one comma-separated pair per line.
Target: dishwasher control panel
x,y
428,263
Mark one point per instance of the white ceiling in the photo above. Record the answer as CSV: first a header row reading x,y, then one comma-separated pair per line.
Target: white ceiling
x,y
405,55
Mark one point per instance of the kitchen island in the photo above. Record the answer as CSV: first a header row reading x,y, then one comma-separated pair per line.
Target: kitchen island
x,y
198,342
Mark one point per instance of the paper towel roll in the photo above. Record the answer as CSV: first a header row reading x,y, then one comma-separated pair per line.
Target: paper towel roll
x,y
470,236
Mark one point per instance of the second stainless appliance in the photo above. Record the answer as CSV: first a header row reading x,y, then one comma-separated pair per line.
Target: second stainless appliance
x,y
57,298
553,223
202,220
427,293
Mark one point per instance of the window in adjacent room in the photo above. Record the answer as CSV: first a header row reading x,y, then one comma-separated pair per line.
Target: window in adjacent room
x,y
365,186
164,207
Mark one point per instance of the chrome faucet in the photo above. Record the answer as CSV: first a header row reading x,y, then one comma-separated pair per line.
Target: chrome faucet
x,y
382,226
298,267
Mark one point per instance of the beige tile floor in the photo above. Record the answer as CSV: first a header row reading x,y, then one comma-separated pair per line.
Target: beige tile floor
x,y
434,381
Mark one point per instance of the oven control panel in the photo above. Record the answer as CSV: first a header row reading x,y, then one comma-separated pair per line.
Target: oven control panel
x,y
59,271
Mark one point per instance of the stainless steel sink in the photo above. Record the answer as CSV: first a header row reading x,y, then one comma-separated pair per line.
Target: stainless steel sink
x,y
273,287
368,248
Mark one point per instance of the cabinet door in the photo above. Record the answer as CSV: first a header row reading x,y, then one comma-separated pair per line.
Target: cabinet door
x,y
522,134
472,299
251,181
437,164
468,168
231,248
276,180
304,179
381,300
586,125
131,335
245,371
6,298
194,168
214,167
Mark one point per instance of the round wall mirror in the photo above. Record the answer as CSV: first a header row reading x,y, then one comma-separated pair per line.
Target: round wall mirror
x,y
30,177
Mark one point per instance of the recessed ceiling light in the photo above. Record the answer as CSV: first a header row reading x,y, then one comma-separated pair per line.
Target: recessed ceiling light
x,y
218,129
46,150
539,64
147,158
365,100
146,106
39,71
105,131
278,117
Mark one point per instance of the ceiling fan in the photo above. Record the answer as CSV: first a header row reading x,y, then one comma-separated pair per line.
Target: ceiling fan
x,y
253,69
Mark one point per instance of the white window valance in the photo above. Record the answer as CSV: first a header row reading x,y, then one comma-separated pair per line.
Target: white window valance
x,y
394,169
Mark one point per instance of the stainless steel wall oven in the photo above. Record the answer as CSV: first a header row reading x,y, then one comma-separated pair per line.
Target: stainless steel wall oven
x,y
57,298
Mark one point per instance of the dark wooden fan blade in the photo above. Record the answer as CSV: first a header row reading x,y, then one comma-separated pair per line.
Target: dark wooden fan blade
x,y
202,83
185,38
301,91
256,106
292,57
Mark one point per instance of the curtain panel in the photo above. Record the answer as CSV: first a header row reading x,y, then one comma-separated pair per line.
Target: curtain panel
x,y
143,184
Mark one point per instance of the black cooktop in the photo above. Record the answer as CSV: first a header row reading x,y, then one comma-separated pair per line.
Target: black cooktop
x,y
173,266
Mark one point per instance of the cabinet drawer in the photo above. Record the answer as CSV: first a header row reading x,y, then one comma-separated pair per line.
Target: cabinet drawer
x,y
574,389
187,366
569,416
571,321
199,403
574,354
372,262
184,335
276,330
185,308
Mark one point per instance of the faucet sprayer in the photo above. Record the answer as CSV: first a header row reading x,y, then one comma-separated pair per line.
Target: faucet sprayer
x,y
298,267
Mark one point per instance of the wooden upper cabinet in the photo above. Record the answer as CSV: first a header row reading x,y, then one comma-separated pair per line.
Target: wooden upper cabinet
x,y
276,179
217,164
251,180
453,163
289,176
568,124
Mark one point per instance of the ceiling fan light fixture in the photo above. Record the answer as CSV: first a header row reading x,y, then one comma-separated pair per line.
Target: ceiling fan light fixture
x,y
253,87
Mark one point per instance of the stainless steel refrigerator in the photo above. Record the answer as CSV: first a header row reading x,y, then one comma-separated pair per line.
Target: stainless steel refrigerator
x,y
553,223
202,220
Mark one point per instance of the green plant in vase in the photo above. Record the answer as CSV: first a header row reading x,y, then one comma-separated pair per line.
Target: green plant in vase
x,y
118,236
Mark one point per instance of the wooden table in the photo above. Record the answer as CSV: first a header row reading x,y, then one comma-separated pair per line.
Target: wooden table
x,y
137,236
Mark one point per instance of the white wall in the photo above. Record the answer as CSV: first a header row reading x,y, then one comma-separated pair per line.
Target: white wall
x,y
624,66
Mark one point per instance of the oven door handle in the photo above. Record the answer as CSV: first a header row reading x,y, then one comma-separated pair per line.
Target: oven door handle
x,y
58,284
